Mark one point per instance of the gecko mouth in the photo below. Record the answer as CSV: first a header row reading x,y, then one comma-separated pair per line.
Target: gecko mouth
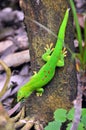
x,y
20,99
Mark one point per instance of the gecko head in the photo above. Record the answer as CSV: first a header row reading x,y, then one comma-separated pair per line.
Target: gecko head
x,y
22,94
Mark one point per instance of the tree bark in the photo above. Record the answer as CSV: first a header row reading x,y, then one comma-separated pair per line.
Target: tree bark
x,y
61,91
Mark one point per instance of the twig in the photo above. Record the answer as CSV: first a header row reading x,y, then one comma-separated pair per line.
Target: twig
x,y
12,110
77,105
22,57
29,124
22,122
8,72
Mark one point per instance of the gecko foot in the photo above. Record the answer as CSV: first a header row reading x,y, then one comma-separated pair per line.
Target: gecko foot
x,y
60,62
64,52
39,92
49,47
34,72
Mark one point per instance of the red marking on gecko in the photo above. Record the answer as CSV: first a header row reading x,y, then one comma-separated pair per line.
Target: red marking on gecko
x,y
50,68
48,72
45,76
44,71
43,79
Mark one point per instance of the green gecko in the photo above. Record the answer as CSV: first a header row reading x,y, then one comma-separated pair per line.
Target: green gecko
x,y
54,57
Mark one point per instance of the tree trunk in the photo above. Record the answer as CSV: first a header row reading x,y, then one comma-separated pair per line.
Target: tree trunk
x,y
61,91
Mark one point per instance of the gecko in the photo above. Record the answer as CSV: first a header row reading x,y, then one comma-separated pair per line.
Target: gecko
x,y
54,57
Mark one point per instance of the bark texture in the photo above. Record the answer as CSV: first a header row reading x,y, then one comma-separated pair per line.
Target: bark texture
x,y
61,91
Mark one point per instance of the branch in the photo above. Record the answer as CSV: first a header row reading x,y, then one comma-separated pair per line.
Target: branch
x,y
8,72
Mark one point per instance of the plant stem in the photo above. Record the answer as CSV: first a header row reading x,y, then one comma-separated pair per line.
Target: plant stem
x,y
77,26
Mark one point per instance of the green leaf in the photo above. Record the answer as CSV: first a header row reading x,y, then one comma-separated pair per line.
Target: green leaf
x,y
60,115
83,120
77,25
54,125
69,126
80,126
83,112
84,55
70,115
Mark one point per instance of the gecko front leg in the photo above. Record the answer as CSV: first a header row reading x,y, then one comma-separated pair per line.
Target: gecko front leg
x,y
39,91
46,56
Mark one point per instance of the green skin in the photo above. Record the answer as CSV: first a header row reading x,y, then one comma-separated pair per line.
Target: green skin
x,y
54,58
